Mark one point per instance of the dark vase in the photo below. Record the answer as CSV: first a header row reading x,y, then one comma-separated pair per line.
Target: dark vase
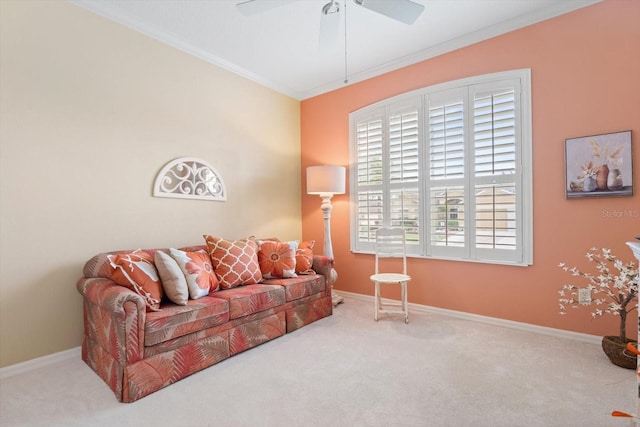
x,y
617,352
602,176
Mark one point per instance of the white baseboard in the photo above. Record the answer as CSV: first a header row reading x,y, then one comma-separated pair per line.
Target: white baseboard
x,y
39,362
560,333
30,365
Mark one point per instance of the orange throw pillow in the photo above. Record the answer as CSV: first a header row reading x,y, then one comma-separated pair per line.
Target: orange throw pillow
x,y
235,262
277,260
136,271
304,257
198,271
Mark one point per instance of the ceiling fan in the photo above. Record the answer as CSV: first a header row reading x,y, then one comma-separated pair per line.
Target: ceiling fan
x,y
405,11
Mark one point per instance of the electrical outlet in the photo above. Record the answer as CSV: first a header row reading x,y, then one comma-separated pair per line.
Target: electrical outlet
x,y
584,296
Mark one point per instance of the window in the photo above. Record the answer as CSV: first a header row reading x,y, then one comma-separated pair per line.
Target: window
x,y
451,164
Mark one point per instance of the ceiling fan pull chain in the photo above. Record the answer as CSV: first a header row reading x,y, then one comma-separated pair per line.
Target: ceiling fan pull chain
x,y
346,78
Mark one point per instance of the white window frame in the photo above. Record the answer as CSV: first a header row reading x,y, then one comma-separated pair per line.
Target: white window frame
x,y
523,253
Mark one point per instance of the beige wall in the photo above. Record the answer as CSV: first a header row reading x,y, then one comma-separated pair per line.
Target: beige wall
x,y
90,111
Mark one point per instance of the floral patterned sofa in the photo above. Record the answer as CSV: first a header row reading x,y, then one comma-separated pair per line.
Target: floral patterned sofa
x,y
142,334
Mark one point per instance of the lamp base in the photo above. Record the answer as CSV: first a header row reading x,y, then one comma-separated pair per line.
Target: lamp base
x,y
336,299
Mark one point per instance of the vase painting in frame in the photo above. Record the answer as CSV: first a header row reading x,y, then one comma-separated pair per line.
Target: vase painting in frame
x,y
599,165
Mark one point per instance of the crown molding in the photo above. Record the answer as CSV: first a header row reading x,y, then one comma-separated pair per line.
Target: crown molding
x,y
98,7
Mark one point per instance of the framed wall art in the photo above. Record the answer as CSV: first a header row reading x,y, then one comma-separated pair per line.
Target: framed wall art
x,y
599,165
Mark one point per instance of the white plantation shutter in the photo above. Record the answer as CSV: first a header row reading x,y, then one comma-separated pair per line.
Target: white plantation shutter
x,y
369,148
446,138
369,165
494,134
451,164
404,171
496,217
370,214
495,177
403,147
387,161
447,218
405,213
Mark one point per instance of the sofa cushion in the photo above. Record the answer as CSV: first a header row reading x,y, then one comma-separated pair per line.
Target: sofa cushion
x,y
177,320
235,262
304,257
277,259
252,333
300,287
314,308
136,271
198,271
173,280
251,299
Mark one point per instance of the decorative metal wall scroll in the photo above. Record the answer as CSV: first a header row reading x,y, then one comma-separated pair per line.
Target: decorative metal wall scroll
x,y
189,178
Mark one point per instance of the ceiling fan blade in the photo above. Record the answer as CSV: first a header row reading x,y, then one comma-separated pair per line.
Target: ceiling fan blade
x,y
406,11
252,7
329,27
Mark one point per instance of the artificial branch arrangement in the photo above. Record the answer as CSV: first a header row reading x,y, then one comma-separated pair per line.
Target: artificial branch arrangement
x,y
613,288
607,155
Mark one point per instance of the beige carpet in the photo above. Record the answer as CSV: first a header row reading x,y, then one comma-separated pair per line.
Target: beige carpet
x,y
347,370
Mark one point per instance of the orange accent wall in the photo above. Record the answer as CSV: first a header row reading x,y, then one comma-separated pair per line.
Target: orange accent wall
x,y
585,68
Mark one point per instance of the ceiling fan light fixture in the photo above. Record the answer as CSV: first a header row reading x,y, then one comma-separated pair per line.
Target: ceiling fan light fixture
x,y
331,7
329,27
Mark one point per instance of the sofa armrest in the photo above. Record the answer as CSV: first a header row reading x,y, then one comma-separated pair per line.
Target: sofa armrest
x,y
114,318
324,265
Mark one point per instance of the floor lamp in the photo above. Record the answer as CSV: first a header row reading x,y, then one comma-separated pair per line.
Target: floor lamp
x,y
326,181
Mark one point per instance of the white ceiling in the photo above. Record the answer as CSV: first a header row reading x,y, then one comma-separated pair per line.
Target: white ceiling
x,y
278,48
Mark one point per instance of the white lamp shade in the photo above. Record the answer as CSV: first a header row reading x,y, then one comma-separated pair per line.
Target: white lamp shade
x,y
326,179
